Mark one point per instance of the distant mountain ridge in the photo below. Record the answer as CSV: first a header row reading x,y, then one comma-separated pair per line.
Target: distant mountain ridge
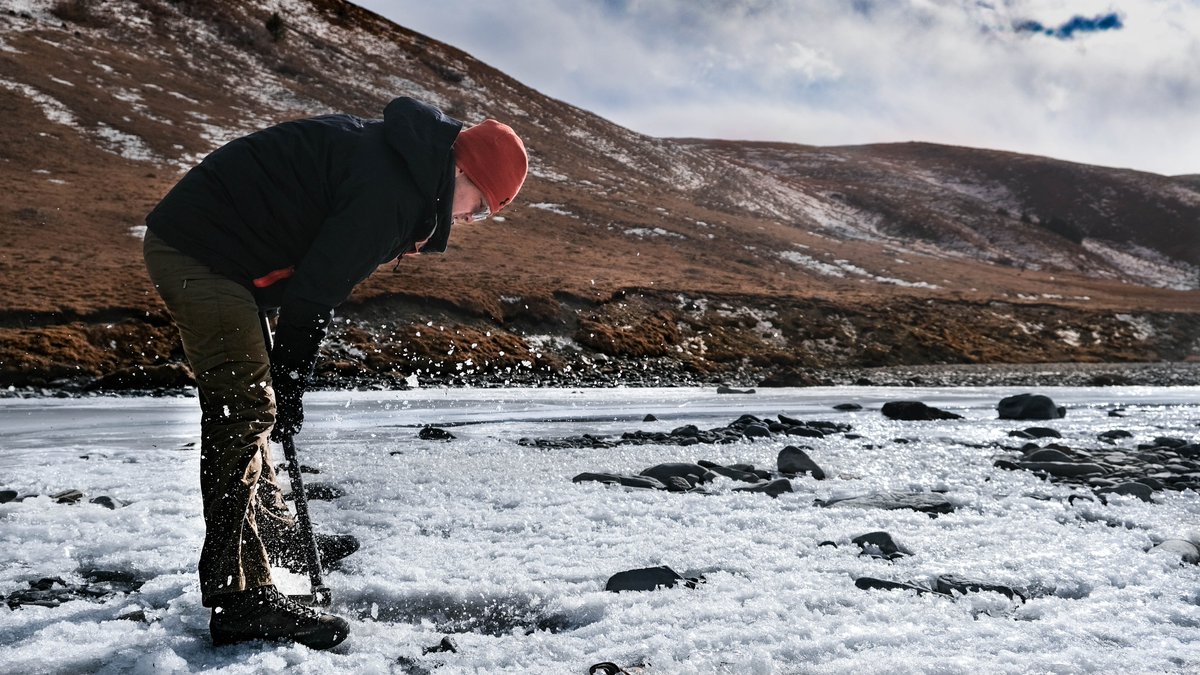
x,y
106,103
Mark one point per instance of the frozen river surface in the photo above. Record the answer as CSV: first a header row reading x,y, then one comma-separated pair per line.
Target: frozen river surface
x,y
489,541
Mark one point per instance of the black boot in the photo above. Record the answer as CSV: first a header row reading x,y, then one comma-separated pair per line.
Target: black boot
x,y
264,613
291,551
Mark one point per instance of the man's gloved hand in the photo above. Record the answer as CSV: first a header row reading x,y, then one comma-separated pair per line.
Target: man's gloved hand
x,y
289,405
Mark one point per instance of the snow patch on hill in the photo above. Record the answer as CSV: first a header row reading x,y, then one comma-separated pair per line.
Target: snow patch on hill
x,y
1147,266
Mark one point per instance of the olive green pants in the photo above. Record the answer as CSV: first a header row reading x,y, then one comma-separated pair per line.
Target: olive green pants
x,y
218,321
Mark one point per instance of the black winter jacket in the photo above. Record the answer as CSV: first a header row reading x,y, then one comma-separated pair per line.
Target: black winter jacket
x,y
303,211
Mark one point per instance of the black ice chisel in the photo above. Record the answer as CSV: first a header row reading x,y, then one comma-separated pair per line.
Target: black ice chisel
x,y
320,594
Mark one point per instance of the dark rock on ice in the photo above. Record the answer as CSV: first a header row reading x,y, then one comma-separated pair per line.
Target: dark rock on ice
x,y
649,579
435,434
281,469
924,502
880,545
620,479
67,497
649,418
1049,455
912,411
108,502
847,407
7,496
756,430
446,645
692,473
98,586
773,488
1064,469
410,666
1114,435
807,432
1043,432
952,583
724,389
793,461
873,584
681,484
136,616
731,472
1029,407
1131,488
322,492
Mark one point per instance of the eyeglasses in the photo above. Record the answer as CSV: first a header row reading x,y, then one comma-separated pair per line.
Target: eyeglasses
x,y
483,213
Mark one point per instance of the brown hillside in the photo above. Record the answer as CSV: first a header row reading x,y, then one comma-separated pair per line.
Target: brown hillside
x,y
708,259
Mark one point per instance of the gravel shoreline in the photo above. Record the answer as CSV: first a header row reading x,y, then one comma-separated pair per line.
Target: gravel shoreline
x,y
1177,374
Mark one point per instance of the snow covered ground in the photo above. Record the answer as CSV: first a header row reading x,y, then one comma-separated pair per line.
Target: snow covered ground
x,y
487,540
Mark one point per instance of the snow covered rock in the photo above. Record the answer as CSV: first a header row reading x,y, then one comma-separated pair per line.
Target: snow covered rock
x,y
1029,407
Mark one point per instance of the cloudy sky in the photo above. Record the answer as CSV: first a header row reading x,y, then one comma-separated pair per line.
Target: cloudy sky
x,y
1110,82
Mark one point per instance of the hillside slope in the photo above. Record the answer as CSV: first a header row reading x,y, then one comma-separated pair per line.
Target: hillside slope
x,y
693,259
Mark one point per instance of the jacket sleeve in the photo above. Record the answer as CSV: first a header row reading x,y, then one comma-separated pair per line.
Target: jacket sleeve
x,y
350,245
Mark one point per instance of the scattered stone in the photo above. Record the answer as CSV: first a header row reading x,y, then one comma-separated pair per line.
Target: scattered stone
x,y
610,668
746,426
1029,407
281,469
446,645
410,666
1116,412
1049,455
620,479
873,584
1114,435
952,583
946,585
924,502
67,497
1134,489
1186,551
773,488
880,545
756,430
7,496
746,476
1043,432
847,407
650,418
649,579
692,474
324,492
794,461
137,616
99,585
109,502
912,411
723,389
435,434
1064,469
808,432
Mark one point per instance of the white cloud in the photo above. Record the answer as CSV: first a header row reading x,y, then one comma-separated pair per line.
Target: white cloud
x,y
826,72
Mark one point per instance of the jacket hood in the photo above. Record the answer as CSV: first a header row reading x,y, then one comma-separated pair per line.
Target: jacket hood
x,y
423,136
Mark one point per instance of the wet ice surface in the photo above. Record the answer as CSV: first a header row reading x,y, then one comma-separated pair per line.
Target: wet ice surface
x,y
491,541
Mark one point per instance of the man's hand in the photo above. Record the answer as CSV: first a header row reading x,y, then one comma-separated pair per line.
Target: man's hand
x,y
289,406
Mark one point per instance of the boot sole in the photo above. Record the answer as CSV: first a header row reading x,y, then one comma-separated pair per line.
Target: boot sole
x,y
222,638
